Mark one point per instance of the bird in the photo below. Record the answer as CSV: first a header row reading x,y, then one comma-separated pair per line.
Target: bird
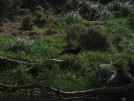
x,y
71,50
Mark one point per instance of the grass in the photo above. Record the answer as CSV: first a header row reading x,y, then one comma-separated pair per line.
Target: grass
x,y
118,26
77,72
46,48
121,33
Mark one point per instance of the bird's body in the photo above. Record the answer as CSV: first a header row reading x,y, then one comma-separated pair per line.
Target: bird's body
x,y
71,50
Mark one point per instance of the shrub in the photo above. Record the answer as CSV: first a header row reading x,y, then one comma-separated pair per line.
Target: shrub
x,y
72,18
71,5
121,34
120,61
118,8
126,45
73,34
89,11
94,39
39,17
26,23
51,21
105,13
20,46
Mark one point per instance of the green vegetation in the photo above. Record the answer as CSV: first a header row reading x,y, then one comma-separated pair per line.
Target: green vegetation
x,y
101,34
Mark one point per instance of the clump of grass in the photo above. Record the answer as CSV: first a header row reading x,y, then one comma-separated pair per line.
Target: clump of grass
x,y
94,39
89,11
73,34
118,8
39,18
20,45
26,23
72,18
121,33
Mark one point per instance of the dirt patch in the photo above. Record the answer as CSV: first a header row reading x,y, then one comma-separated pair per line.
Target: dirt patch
x,y
13,29
9,28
